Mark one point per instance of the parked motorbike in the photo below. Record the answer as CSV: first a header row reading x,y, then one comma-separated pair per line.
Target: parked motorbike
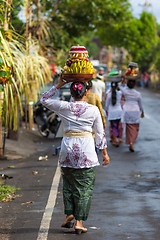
x,y
47,120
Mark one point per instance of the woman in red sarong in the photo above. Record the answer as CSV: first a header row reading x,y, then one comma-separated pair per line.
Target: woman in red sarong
x,y
132,112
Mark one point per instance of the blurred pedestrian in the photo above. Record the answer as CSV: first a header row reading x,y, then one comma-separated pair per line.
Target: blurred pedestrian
x,y
114,112
99,86
141,80
132,112
93,99
94,74
112,73
101,71
77,158
146,79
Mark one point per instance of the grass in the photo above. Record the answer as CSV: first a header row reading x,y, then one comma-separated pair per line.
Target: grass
x,y
7,193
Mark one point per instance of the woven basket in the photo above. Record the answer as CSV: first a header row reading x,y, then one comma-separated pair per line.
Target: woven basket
x,y
115,78
77,77
130,77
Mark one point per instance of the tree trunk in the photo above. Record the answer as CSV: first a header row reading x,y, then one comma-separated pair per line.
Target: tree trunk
x,y
12,134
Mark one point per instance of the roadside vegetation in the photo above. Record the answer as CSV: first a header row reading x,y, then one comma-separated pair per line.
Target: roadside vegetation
x,y
7,193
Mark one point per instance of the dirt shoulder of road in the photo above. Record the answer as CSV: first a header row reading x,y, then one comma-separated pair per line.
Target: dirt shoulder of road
x,y
25,146
21,215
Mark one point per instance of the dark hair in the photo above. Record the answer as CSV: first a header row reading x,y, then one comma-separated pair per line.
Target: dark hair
x,y
99,77
89,85
78,89
114,86
131,83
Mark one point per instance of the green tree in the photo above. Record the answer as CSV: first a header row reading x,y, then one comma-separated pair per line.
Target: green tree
x,y
156,61
76,17
63,23
114,22
143,40
138,36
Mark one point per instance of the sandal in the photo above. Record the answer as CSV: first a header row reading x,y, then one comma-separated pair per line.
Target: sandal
x,y
131,148
68,224
115,141
79,230
116,144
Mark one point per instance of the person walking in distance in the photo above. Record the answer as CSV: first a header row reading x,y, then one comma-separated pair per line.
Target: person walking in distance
x,y
114,112
99,86
93,99
77,157
132,110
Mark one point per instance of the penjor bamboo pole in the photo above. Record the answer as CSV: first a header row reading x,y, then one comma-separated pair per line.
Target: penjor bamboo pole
x,y
30,107
1,129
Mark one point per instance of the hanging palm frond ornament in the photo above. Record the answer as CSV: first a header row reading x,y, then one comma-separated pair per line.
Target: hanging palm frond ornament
x,y
5,73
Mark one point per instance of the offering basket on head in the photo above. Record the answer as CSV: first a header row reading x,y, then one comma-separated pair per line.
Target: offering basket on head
x,y
78,67
116,78
77,77
113,76
132,72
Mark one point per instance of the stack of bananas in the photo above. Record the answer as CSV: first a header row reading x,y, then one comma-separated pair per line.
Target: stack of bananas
x,y
78,63
78,66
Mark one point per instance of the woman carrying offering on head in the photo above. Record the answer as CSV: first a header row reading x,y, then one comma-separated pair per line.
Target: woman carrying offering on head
x,y
132,109
78,158
94,99
114,112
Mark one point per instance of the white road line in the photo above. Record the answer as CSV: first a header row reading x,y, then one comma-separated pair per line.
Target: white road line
x,y
45,223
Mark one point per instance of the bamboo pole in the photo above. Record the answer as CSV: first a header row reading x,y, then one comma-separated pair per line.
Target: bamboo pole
x,y
27,7
6,16
26,115
1,127
2,93
38,17
30,24
110,58
27,30
31,115
30,107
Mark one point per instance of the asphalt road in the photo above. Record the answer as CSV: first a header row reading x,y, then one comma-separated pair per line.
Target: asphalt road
x,y
126,200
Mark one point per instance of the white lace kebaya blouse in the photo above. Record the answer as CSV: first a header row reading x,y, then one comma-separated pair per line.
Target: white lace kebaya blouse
x,y
132,108
114,111
77,116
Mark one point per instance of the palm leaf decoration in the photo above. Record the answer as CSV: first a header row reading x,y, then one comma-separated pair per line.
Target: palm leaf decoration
x,y
28,72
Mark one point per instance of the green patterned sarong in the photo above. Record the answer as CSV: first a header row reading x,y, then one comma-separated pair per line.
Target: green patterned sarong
x,y
78,187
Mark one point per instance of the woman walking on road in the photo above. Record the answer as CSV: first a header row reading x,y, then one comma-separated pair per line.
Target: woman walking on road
x,y
94,99
114,112
132,112
78,158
